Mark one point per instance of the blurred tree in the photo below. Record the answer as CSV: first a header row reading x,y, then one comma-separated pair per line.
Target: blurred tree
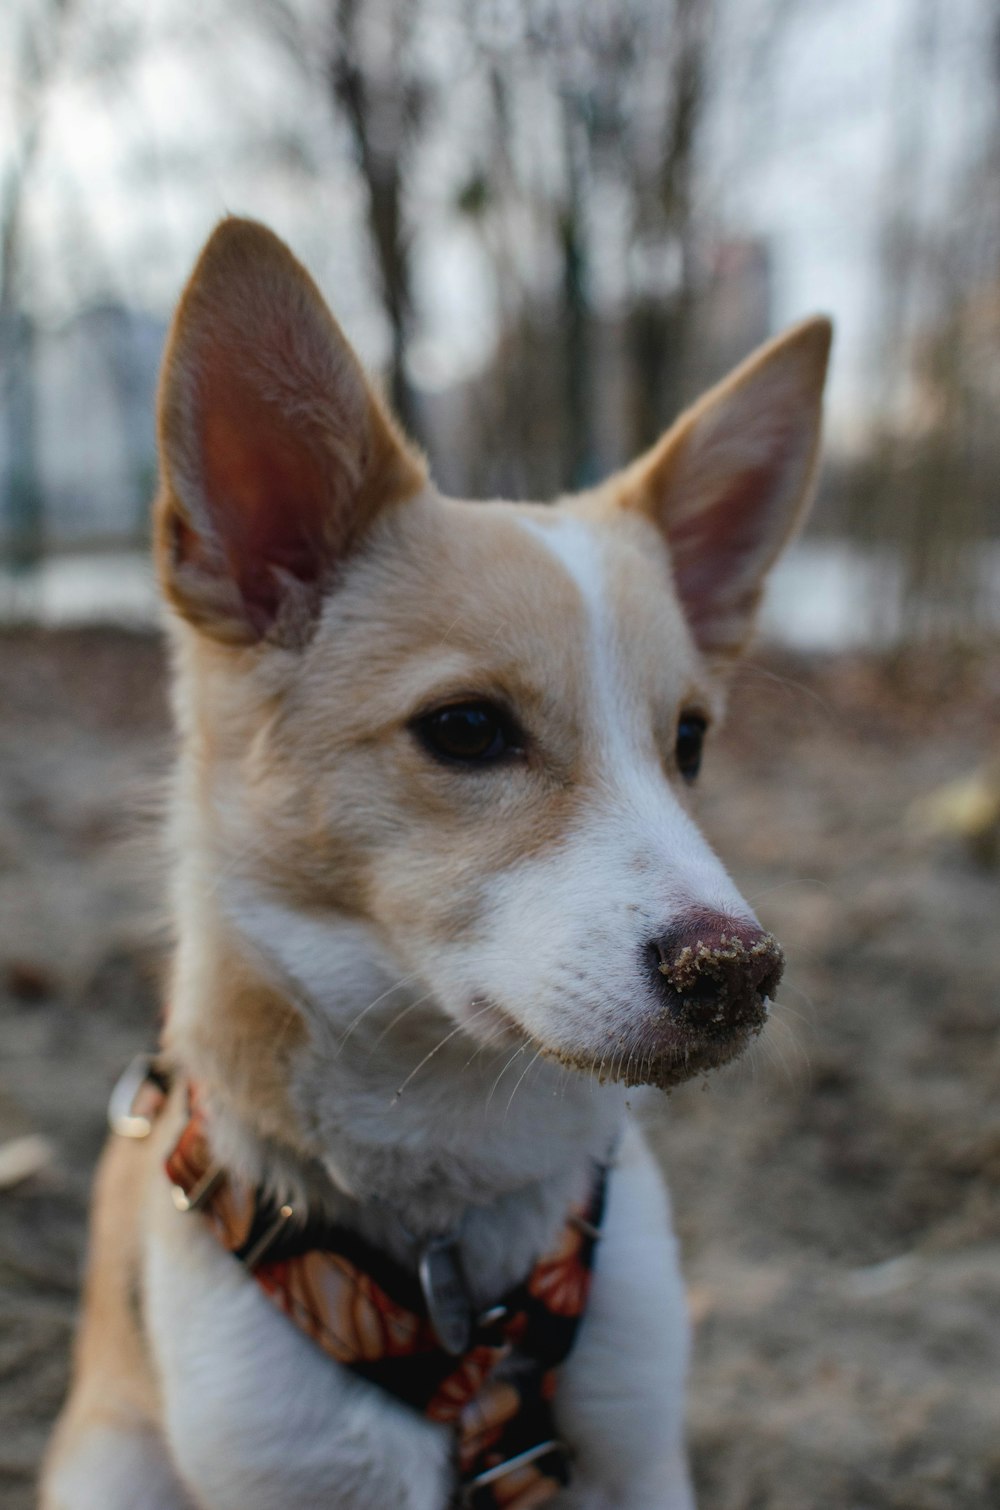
x,y
571,131
931,490
36,37
363,53
596,114
370,74
663,271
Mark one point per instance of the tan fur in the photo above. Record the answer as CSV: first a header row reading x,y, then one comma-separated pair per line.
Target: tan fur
x,y
115,1384
326,597
213,342
713,449
243,1014
359,688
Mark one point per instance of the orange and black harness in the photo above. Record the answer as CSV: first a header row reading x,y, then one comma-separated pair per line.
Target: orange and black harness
x,y
491,1377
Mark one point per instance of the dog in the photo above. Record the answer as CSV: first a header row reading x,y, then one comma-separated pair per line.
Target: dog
x,y
441,909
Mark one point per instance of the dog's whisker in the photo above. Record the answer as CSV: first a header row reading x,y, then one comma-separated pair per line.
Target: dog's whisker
x,y
788,985
412,1007
520,1050
498,1032
447,634
532,1061
782,1010
460,1027
769,891
787,681
785,1032
776,1054
396,986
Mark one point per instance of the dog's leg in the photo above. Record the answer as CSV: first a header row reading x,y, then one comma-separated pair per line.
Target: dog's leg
x,y
113,1466
621,1392
256,1416
108,1452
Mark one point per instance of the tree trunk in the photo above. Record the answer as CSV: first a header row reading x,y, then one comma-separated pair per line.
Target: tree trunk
x,y
382,169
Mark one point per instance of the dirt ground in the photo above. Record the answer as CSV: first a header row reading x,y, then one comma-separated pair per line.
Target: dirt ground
x,y
838,1193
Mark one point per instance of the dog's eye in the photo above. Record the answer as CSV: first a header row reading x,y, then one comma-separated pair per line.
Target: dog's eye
x,y
469,733
690,737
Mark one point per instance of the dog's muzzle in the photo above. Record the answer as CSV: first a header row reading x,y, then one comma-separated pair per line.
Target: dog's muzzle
x,y
714,977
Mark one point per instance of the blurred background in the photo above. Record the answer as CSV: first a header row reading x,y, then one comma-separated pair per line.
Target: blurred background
x,y
548,224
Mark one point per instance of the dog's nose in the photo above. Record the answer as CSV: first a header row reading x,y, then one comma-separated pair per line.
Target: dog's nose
x,y
716,973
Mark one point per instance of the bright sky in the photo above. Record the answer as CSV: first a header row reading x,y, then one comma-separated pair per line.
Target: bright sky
x,y
139,159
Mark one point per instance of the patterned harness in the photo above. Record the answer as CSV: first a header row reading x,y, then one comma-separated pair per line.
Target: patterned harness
x,y
490,1377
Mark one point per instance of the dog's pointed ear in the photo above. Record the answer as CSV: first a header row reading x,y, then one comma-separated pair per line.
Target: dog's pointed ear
x,y
275,452
732,478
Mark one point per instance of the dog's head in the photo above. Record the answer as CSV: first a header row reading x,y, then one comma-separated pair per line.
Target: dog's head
x,y
461,735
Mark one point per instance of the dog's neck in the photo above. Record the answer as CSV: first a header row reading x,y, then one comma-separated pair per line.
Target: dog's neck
x,y
351,1092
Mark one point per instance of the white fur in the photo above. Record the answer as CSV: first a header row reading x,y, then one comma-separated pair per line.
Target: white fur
x,y
577,548
256,1417
120,1467
240,1385
581,917
567,928
627,1412
421,1130
495,1148
460,1144
419,1091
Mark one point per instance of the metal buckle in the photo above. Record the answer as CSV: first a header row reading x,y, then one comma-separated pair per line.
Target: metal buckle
x,y
491,1317
587,1228
268,1237
200,1192
446,1294
521,1460
123,1119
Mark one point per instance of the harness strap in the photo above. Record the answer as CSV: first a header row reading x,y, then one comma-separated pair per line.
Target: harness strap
x,y
370,1314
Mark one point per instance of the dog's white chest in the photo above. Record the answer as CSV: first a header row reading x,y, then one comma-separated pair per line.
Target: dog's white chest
x,y
256,1415
258,1418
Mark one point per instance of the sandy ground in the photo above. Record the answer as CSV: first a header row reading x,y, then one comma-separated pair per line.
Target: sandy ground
x,y
837,1193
